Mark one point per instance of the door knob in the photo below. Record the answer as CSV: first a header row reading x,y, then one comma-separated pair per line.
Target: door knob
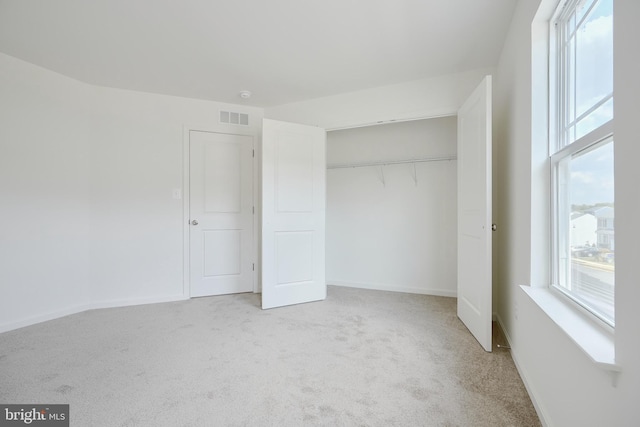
x,y
194,222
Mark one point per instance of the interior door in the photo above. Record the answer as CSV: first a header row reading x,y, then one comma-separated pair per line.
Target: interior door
x,y
293,213
474,213
221,213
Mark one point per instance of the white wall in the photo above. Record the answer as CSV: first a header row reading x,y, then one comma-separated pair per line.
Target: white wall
x,y
44,189
88,173
627,153
137,225
398,236
426,98
568,389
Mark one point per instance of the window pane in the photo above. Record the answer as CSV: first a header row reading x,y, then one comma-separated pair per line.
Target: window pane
x,y
586,245
594,57
586,69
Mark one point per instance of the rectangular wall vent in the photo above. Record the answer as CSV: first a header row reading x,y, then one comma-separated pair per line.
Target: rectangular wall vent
x,y
234,118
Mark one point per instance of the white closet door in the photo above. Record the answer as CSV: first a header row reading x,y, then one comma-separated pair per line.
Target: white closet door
x,y
293,213
474,214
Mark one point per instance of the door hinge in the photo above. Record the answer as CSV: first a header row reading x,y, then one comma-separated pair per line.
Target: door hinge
x,y
254,210
253,153
254,267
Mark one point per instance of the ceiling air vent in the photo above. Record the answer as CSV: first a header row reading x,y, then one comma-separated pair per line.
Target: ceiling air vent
x,y
234,118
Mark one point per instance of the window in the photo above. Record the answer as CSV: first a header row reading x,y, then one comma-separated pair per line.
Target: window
x,y
581,154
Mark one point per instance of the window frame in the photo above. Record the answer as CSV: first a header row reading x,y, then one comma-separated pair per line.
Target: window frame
x,y
560,148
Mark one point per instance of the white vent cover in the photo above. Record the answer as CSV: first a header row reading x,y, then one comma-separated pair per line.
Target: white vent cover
x,y
234,118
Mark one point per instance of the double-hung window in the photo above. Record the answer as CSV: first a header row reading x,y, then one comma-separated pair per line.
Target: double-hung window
x,y
581,154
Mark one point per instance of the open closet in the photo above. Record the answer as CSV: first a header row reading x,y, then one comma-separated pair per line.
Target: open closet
x,y
391,206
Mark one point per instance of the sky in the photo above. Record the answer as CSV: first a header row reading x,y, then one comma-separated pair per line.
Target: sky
x,y
592,177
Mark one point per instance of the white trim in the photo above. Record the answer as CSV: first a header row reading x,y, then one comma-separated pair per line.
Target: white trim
x,y
593,108
435,114
227,130
75,309
394,288
5,327
128,302
597,135
186,251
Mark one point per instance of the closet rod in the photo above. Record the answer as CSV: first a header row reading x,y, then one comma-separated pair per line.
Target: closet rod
x,y
391,162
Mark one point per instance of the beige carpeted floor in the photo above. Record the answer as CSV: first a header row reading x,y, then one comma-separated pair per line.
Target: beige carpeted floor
x,y
360,358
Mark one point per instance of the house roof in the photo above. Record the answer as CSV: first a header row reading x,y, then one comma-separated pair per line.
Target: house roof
x,y
604,212
582,215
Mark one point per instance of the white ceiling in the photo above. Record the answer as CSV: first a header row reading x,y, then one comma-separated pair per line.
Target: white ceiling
x,y
281,50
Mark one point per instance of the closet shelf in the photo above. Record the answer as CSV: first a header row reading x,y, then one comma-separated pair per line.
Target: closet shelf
x,y
390,162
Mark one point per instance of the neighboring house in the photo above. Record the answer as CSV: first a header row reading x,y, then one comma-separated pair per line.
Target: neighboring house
x,y
605,232
583,229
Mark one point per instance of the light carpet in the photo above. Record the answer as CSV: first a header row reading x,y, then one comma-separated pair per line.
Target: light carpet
x,y
360,358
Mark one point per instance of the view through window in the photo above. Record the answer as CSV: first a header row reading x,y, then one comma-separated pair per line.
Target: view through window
x,y
582,155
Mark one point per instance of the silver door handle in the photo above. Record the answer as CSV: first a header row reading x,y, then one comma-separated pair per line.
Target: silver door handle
x,y
194,222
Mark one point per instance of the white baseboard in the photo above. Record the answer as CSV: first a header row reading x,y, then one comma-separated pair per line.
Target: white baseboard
x,y
10,326
392,288
523,374
44,317
136,301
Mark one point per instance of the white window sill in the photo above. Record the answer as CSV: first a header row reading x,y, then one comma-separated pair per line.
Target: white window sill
x,y
597,343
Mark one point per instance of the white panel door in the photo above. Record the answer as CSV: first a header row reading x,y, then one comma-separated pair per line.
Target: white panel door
x,y
293,214
221,213
474,214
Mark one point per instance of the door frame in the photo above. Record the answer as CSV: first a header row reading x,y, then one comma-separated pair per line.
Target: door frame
x,y
186,243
